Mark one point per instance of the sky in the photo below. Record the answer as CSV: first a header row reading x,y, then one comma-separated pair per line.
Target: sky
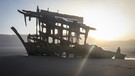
x,y
113,19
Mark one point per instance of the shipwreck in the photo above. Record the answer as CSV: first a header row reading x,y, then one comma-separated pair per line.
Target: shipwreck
x,y
58,33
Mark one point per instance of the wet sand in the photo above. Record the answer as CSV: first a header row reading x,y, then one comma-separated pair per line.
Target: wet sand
x,y
21,65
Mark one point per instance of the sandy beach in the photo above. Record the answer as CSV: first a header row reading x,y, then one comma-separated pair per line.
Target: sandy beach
x,y
21,65
15,62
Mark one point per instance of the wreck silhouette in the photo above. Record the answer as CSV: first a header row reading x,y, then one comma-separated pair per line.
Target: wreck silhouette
x,y
60,33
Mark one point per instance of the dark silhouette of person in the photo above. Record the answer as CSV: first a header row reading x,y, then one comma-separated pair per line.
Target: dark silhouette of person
x,y
118,50
118,55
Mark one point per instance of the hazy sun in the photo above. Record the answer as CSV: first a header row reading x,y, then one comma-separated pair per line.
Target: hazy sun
x,y
110,24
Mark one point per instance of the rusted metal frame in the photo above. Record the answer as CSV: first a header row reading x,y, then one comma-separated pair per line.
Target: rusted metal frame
x,y
80,19
44,34
19,36
86,35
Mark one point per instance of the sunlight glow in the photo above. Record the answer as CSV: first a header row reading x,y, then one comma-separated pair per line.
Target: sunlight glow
x,y
84,61
110,24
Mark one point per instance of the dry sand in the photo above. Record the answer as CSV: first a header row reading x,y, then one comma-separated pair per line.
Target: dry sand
x,y
20,65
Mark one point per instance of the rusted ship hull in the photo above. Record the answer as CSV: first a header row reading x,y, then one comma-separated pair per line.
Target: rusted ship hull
x,y
60,33
43,49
